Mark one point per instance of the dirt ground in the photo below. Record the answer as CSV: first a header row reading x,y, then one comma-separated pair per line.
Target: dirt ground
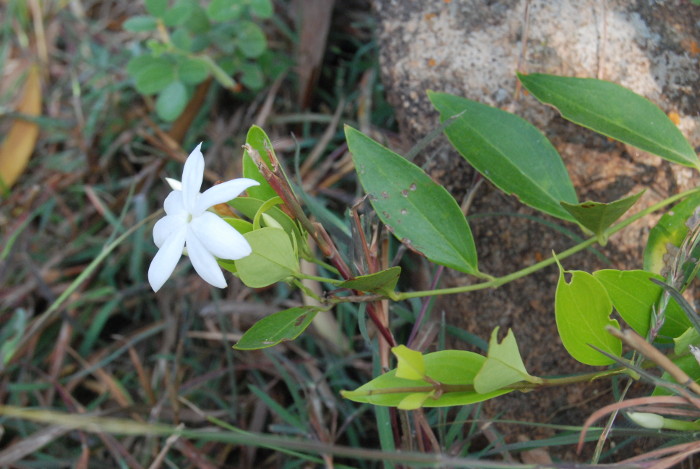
x,y
473,49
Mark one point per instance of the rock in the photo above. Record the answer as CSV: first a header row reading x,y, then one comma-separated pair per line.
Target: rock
x,y
473,48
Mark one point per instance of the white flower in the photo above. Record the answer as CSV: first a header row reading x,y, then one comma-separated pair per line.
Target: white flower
x,y
188,225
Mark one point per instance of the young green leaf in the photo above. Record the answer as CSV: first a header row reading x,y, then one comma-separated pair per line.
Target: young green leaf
x,y
278,327
633,295
582,309
669,232
272,260
224,10
193,70
420,213
614,111
261,8
382,282
504,365
260,142
179,13
456,368
508,151
171,101
410,363
597,216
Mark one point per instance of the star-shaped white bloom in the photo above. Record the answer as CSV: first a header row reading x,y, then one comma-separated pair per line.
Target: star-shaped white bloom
x,y
188,225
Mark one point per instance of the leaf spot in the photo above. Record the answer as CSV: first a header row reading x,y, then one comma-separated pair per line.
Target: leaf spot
x,y
404,193
385,195
386,214
300,320
404,211
413,186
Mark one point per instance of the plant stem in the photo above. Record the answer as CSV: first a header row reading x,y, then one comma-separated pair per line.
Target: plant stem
x,y
497,282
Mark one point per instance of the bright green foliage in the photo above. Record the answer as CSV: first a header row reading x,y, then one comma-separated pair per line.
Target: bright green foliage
x,y
614,111
410,363
670,230
508,151
273,258
681,343
582,309
382,282
449,367
597,216
633,295
504,365
278,327
420,213
218,40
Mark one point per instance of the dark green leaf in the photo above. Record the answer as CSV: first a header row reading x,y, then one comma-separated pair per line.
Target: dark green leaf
x,y
598,216
382,282
252,76
420,213
181,39
614,111
281,326
171,101
508,151
197,24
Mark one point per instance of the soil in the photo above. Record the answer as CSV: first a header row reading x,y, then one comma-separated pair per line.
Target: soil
x,y
472,49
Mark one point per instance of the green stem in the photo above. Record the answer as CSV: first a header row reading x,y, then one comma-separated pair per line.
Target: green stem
x,y
497,282
332,281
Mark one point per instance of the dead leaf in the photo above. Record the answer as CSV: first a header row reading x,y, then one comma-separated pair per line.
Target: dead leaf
x,y
20,141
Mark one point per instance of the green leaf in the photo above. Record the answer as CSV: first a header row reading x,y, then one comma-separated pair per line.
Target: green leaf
x,y
410,363
614,111
179,13
681,343
250,206
597,216
260,142
224,10
451,367
281,326
670,230
156,7
251,39
582,309
11,335
171,101
273,258
382,282
634,295
140,24
154,77
182,40
261,8
252,76
138,63
420,213
508,151
198,24
193,70
504,365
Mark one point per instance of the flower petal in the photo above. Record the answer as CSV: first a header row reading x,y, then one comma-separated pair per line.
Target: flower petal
x,y
222,193
203,261
192,177
174,204
219,238
166,258
174,184
167,226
